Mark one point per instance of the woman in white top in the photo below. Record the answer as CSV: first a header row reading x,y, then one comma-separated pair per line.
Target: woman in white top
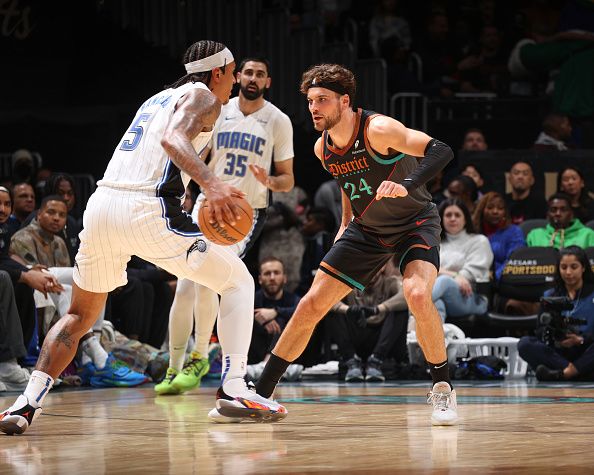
x,y
466,260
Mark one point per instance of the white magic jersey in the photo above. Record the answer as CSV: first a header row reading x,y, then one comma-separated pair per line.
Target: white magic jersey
x,y
139,162
258,138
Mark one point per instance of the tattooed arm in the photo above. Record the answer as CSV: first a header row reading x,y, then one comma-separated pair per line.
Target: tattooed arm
x,y
197,111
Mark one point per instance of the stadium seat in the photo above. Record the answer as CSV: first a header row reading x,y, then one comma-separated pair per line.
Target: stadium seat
x,y
531,224
528,273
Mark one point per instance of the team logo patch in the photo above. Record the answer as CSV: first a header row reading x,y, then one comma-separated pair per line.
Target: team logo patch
x,y
198,245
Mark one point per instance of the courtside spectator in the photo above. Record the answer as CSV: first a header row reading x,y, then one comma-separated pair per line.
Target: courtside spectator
x,y
523,203
563,229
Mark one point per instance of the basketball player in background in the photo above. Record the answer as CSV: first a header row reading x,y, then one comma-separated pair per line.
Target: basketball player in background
x,y
248,134
387,212
136,209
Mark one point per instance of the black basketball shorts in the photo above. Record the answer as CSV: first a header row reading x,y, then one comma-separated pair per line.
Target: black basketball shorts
x,y
359,254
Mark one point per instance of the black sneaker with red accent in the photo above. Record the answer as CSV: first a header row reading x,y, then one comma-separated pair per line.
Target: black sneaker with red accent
x,y
18,417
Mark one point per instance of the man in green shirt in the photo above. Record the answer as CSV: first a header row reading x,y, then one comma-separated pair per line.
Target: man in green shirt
x,y
563,229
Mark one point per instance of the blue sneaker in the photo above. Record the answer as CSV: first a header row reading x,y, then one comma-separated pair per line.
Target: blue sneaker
x,y
116,374
86,372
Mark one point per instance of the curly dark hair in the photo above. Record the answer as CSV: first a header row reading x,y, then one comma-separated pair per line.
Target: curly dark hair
x,y
330,73
199,50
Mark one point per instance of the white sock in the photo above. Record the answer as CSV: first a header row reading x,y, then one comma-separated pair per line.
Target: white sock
x,y
39,385
92,348
234,366
180,322
206,308
85,359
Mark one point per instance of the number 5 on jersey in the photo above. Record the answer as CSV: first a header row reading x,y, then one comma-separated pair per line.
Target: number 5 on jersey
x,y
352,188
137,130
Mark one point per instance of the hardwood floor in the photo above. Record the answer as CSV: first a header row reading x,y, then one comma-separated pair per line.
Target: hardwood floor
x,y
511,427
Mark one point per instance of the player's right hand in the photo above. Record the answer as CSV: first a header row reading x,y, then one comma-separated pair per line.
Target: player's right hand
x,y
389,189
221,206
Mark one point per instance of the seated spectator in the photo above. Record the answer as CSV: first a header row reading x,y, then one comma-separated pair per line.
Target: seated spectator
x,y
371,325
491,218
62,184
571,182
485,67
569,354
24,201
329,196
438,54
473,171
474,141
24,280
37,245
522,202
435,187
23,166
273,308
281,234
465,261
318,236
386,23
156,301
463,188
563,229
556,130
12,348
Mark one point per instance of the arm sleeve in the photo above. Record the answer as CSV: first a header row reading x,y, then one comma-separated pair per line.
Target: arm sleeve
x,y
478,261
437,156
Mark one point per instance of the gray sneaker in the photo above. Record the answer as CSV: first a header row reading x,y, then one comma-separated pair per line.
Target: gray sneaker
x,y
373,371
354,372
13,377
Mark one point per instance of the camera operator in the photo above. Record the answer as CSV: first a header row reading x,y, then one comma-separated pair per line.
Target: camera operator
x,y
571,354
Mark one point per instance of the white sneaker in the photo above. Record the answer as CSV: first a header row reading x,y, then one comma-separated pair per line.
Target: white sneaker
x,y
445,409
235,400
293,372
215,416
18,417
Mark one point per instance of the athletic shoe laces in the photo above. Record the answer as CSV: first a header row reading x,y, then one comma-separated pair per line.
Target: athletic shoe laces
x,y
439,400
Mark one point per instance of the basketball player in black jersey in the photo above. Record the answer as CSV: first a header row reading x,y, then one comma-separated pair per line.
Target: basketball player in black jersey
x,y
387,213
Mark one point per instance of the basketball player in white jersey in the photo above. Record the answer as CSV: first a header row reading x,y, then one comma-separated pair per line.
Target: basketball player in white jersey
x,y
136,209
249,134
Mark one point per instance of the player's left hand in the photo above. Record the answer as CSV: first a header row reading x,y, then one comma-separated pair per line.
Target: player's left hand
x,y
389,189
260,173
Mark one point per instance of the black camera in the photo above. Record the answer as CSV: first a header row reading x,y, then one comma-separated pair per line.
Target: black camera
x,y
552,325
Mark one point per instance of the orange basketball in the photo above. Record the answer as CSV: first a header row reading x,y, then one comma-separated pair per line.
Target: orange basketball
x,y
231,233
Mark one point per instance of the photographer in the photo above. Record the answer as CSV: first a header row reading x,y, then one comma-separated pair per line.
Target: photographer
x,y
571,352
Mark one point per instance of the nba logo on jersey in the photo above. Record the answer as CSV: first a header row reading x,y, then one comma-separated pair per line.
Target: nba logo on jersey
x,y
356,143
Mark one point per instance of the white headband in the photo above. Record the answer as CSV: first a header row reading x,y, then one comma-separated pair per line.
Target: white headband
x,y
216,60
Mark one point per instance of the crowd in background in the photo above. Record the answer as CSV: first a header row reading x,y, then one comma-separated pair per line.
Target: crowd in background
x,y
534,48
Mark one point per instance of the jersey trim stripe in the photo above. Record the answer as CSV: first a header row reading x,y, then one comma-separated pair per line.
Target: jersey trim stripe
x,y
344,150
171,205
345,279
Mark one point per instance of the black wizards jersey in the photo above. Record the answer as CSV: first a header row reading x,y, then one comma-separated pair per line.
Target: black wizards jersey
x,y
360,170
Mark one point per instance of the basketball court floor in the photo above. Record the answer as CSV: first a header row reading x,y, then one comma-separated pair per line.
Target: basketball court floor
x,y
512,427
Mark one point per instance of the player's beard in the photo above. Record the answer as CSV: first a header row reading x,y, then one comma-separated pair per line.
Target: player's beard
x,y
251,95
329,121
